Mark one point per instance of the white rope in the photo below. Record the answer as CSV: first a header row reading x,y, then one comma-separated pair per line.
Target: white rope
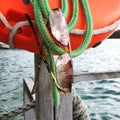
x,y
98,31
13,29
19,110
4,20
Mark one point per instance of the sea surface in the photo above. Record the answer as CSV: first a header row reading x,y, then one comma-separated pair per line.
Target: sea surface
x,y
102,96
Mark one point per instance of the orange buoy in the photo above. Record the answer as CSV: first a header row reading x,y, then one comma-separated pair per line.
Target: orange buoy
x,y
105,13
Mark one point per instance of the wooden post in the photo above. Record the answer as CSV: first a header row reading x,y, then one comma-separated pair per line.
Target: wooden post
x,y
64,111
44,102
45,109
28,85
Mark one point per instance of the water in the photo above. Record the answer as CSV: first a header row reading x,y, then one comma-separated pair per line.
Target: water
x,y
14,66
102,97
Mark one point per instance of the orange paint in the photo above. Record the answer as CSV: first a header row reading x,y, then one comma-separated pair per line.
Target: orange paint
x,y
104,13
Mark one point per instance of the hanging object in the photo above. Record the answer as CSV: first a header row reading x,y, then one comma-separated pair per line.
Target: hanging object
x,y
64,67
65,71
105,15
59,26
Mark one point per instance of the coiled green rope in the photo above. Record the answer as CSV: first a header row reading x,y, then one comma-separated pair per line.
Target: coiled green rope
x,y
89,30
64,7
45,10
48,54
41,12
49,57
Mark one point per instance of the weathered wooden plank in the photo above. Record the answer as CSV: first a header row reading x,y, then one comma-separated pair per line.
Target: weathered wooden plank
x,y
64,111
44,100
29,82
29,115
45,109
44,104
96,76
84,77
60,111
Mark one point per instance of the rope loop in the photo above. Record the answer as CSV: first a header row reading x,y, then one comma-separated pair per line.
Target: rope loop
x,y
13,29
17,111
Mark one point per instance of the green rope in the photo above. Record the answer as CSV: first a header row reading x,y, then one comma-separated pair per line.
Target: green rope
x,y
43,31
89,29
41,11
44,7
74,18
64,7
49,57
46,11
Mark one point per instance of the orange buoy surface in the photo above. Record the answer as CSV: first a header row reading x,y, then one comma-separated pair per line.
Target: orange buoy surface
x,y
104,13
